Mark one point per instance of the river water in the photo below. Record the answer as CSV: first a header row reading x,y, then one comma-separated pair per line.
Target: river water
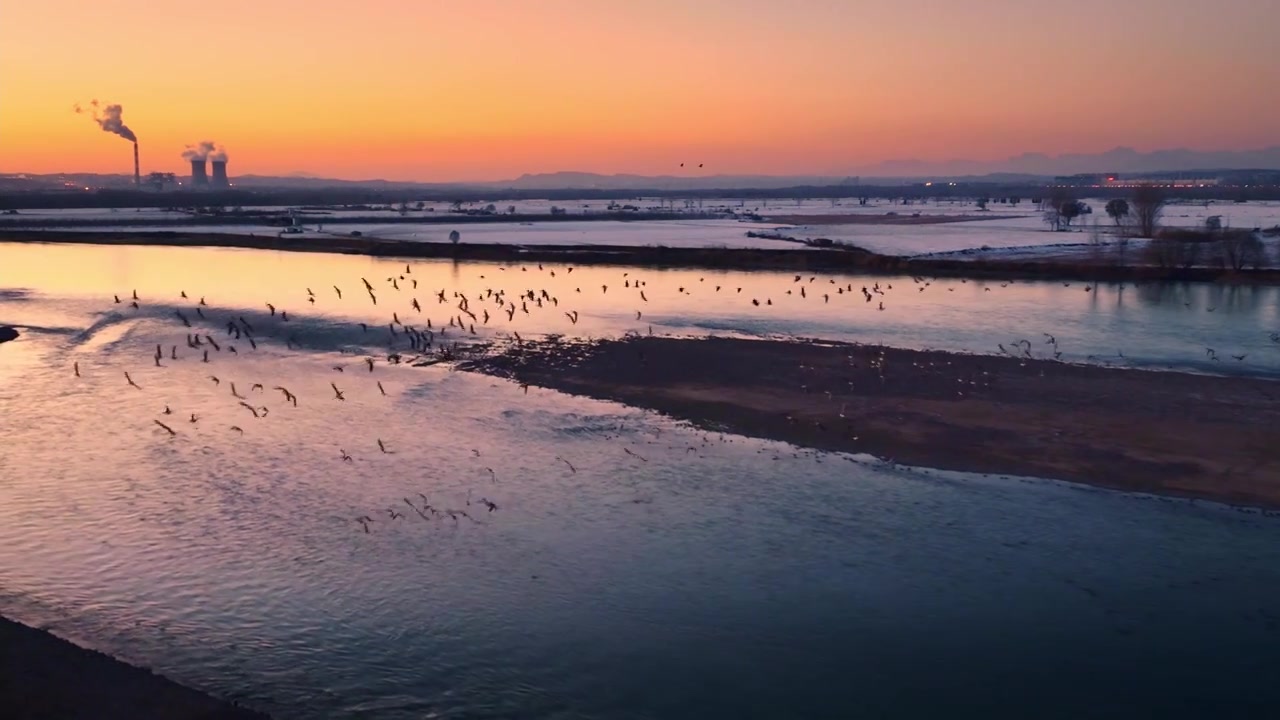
x,y
632,567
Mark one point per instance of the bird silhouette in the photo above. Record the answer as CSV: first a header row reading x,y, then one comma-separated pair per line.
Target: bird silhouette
x,y
336,392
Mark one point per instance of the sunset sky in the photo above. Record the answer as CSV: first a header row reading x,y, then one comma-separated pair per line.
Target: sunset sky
x,y
490,89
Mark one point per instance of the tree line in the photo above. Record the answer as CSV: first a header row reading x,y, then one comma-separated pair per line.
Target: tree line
x,y
1138,217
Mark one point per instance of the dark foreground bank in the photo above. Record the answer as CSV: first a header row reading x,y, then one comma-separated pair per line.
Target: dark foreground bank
x,y
1161,432
45,677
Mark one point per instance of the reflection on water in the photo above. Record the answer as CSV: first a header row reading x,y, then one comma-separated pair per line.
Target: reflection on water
x,y
694,576
1150,325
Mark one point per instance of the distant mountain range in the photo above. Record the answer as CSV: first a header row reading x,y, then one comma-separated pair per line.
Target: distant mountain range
x,y
1121,160
1022,168
1028,167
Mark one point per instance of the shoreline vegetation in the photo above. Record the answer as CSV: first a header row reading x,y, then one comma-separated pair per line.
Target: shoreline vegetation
x,y
847,259
1164,433
44,676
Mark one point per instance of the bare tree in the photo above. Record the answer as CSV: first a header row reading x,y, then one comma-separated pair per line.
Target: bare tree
x,y
1118,209
1052,217
1062,210
1059,200
1122,248
1148,204
1097,246
1177,248
1238,249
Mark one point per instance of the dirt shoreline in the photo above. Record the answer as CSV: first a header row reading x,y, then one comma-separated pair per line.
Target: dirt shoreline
x,y
43,676
847,259
1160,432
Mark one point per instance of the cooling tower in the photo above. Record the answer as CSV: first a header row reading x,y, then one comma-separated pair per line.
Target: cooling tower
x,y
220,174
199,174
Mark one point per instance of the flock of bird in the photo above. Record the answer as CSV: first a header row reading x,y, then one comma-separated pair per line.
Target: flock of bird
x,y
460,319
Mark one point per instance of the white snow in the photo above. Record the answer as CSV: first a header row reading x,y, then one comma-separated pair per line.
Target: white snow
x,y
1023,235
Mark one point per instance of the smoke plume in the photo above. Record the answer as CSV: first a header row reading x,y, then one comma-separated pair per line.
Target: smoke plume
x,y
199,151
109,119
207,150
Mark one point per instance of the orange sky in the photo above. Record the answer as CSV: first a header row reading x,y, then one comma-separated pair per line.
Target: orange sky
x,y
489,89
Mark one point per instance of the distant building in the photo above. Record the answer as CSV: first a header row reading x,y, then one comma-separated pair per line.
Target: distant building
x,y
1081,180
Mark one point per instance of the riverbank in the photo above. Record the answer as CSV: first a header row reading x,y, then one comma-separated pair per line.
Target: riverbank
x,y
1160,432
844,259
42,676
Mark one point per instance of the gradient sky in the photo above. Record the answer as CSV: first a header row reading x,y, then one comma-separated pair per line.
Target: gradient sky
x,y
489,89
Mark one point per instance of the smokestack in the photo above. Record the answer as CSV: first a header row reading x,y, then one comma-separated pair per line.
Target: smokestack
x,y
199,174
220,174
137,170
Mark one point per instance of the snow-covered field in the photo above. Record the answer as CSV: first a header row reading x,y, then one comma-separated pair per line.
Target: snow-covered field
x,y
1024,235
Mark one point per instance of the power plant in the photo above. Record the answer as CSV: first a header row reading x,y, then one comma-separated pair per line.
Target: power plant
x,y
200,155
110,117
220,174
199,174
